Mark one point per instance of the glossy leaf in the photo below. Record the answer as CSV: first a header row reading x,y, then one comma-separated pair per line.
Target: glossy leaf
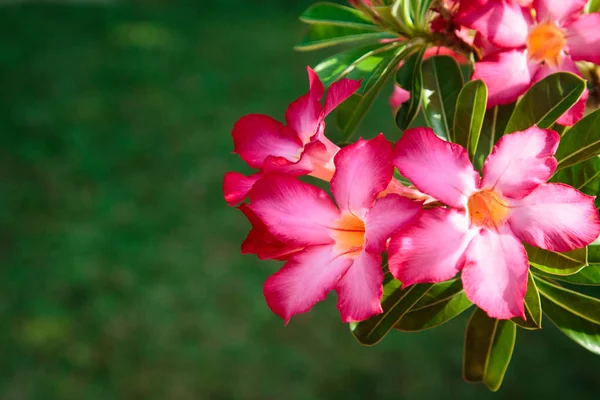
x,y
410,78
593,6
584,176
469,115
533,307
442,302
494,123
320,36
581,143
594,253
339,65
442,82
588,276
395,305
489,344
546,101
582,305
568,263
580,330
335,14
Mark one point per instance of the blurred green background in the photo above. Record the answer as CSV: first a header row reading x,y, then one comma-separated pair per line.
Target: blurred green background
x,y
120,272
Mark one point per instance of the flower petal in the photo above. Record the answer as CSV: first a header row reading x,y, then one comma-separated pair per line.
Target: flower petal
x,y
304,114
558,10
555,217
583,38
495,273
389,214
362,170
236,186
338,92
503,23
361,288
436,167
256,137
520,162
295,212
261,242
507,74
398,97
304,280
432,249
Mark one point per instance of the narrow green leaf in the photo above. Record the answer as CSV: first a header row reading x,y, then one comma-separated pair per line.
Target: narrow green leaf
x,y
494,123
335,14
568,263
320,36
582,305
424,7
546,101
594,252
584,176
580,330
410,78
395,305
588,276
442,302
373,87
593,6
581,143
339,65
533,307
489,344
442,82
469,115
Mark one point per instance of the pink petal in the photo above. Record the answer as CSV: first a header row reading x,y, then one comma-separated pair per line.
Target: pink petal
x,y
256,137
555,217
503,23
520,162
338,92
436,167
398,97
295,212
361,288
583,38
304,280
495,273
558,10
236,186
316,160
507,74
432,249
363,169
304,114
389,214
261,242
576,112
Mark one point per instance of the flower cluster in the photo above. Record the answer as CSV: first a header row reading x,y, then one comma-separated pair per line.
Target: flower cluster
x,y
452,221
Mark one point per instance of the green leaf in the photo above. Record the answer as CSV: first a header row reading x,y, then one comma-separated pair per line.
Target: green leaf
x,y
580,330
584,176
568,263
588,276
341,64
410,78
469,115
338,15
576,303
494,123
489,344
373,87
442,302
533,307
546,101
442,82
581,142
395,305
593,6
594,253
320,36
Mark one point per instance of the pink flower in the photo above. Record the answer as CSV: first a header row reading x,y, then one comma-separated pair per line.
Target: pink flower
x,y
528,49
486,219
341,247
298,148
398,97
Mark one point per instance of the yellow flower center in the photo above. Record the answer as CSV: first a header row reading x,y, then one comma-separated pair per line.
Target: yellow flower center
x,y
486,209
349,235
545,43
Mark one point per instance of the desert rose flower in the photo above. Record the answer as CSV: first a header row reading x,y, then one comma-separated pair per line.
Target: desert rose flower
x,y
487,218
341,245
298,148
531,49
